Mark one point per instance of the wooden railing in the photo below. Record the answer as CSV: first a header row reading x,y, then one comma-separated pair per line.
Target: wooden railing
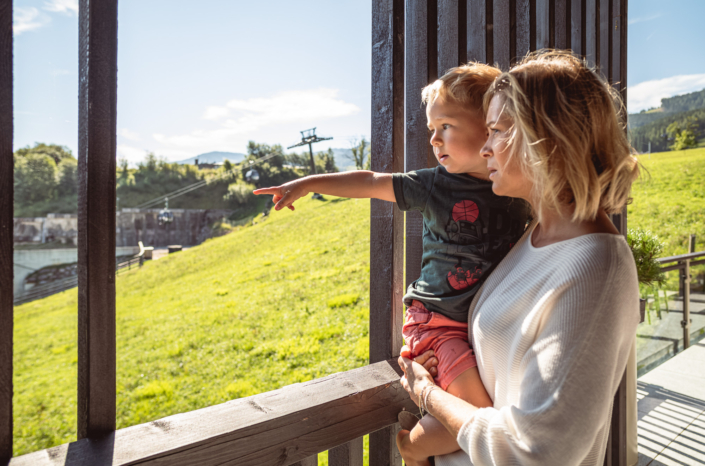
x,y
413,42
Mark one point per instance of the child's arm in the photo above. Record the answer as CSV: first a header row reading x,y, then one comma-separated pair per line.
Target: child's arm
x,y
357,184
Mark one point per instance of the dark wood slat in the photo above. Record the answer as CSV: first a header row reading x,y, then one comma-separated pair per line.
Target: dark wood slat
x,y
477,31
347,454
501,47
560,23
417,147
6,241
96,216
448,32
387,221
523,28
543,24
576,26
310,461
591,31
605,38
279,427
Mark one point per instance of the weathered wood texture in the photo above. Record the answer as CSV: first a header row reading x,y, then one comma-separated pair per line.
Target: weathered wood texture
x,y
6,209
543,23
96,216
275,428
387,221
417,147
577,28
310,461
477,30
347,454
501,17
604,38
449,35
523,28
591,31
561,22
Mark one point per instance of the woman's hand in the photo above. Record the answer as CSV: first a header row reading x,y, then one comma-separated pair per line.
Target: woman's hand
x,y
286,194
417,373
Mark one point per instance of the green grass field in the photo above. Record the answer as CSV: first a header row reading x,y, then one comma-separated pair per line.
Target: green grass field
x,y
280,302
669,198
266,306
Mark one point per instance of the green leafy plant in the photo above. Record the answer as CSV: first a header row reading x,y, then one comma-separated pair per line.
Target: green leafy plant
x,y
646,247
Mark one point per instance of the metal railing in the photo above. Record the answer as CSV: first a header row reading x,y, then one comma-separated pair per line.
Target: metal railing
x,y
683,263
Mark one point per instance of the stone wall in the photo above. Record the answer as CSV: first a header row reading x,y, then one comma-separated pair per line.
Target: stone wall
x,y
189,228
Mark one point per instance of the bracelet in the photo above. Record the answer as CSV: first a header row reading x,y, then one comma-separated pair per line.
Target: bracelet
x,y
423,407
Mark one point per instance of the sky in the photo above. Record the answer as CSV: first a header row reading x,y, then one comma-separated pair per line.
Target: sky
x,y
195,77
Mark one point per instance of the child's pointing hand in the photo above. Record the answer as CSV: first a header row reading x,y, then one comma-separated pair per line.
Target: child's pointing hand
x,y
284,195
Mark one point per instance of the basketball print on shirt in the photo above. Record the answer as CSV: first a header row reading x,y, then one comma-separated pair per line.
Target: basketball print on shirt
x,y
464,228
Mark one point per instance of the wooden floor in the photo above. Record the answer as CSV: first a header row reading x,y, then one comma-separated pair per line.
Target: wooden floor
x,y
671,426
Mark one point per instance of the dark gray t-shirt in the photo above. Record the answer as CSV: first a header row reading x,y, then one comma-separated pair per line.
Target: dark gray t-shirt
x,y
467,231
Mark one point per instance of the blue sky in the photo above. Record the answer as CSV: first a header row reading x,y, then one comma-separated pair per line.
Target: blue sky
x,y
210,75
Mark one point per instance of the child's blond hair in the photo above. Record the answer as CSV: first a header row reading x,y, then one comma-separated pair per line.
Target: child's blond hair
x,y
465,85
567,134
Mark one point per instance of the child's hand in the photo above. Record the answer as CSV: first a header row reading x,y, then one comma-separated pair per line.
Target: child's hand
x,y
286,194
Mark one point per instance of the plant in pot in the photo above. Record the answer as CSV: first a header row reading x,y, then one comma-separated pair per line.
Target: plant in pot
x,y
646,247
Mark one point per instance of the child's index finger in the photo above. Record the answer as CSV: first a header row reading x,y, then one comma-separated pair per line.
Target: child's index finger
x,y
273,190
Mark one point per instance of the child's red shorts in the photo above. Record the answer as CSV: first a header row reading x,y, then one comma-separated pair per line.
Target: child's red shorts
x,y
425,330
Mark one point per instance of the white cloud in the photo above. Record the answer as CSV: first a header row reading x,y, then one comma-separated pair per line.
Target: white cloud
x,y
133,155
648,94
306,107
643,19
27,19
62,6
129,134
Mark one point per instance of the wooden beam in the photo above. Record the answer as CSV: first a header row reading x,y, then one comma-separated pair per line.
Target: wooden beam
x,y
6,220
591,32
417,147
347,454
310,461
605,37
279,427
561,24
501,19
477,30
387,221
523,28
576,26
543,24
448,35
96,216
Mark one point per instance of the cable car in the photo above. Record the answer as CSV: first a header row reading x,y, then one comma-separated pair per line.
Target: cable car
x,y
165,215
252,176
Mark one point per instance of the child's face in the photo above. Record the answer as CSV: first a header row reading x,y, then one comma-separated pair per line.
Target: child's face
x,y
457,136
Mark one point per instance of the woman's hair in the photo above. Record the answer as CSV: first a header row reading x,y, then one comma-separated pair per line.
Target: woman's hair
x,y
465,85
567,134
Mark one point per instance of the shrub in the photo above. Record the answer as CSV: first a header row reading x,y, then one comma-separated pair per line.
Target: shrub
x,y
646,247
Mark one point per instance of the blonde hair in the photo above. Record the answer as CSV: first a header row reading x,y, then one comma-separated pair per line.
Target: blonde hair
x,y
567,134
465,85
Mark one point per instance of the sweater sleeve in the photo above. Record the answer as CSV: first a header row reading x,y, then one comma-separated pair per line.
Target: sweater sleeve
x,y
584,327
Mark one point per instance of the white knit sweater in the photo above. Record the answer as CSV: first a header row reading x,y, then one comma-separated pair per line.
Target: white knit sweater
x,y
552,329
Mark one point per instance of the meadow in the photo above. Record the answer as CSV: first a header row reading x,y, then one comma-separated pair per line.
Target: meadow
x,y
280,302
283,301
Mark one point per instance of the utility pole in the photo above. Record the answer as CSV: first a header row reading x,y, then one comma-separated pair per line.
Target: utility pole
x,y
308,136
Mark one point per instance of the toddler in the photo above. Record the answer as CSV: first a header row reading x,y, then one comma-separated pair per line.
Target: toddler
x,y
467,231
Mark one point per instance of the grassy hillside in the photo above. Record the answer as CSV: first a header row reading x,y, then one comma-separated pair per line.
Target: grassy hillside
x,y
281,302
669,199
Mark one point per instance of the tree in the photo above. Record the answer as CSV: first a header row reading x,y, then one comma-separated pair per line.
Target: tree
x,y
360,154
55,151
683,133
325,162
67,178
35,178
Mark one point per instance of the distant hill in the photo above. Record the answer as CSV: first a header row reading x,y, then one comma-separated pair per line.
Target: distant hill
x,y
669,106
214,157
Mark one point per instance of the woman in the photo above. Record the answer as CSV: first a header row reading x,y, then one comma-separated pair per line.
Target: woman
x,y
554,323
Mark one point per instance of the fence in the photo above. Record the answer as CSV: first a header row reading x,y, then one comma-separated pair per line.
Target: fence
x,y
412,43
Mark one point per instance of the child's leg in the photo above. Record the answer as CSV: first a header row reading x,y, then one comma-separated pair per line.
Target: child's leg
x,y
429,437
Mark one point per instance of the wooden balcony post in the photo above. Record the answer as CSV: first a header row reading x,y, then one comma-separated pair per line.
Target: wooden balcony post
x,y
6,243
387,221
96,216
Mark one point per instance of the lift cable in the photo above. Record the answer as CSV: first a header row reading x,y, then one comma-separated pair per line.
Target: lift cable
x,y
200,184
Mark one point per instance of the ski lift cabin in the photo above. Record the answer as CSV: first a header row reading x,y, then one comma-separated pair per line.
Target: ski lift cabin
x,y
412,43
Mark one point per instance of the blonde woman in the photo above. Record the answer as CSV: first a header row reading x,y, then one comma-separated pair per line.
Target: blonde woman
x,y
553,325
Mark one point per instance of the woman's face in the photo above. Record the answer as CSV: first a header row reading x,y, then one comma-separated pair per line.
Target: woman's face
x,y
505,173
